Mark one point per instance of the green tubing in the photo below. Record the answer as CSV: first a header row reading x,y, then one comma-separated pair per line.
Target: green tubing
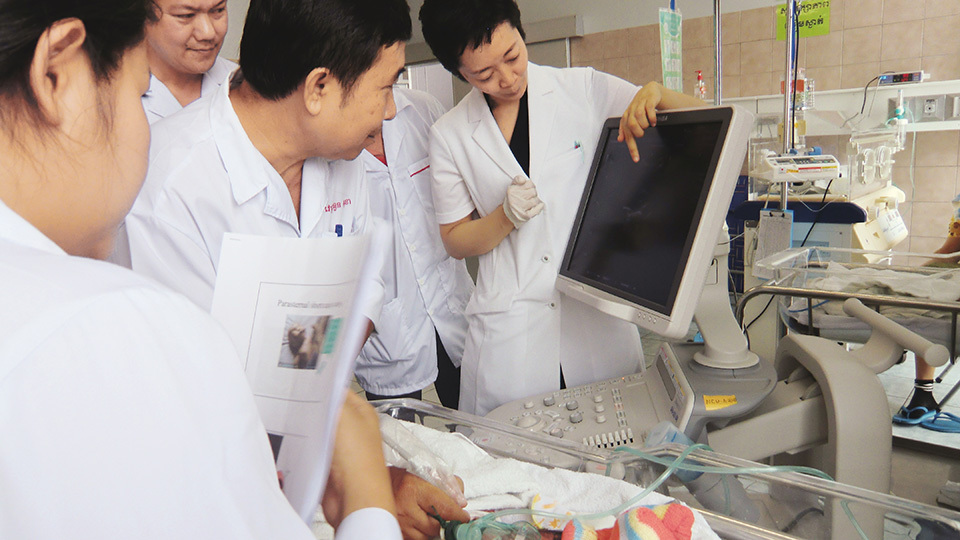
x,y
473,530
672,465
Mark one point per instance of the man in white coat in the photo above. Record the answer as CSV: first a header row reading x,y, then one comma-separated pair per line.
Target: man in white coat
x,y
184,38
422,326
509,164
273,152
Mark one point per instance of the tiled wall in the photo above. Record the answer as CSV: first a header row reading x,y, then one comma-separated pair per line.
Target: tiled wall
x,y
866,37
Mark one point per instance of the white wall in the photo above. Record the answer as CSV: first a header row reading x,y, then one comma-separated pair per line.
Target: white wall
x,y
236,13
434,80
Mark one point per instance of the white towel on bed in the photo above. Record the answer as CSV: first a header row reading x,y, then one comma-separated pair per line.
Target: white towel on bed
x,y
492,483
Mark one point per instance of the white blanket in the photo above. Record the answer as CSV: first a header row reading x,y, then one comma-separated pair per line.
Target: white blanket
x,y
942,286
492,483
829,315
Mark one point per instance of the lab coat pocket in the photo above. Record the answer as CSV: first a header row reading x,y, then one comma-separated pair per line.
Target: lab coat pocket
x,y
419,168
505,367
572,156
389,341
456,282
422,182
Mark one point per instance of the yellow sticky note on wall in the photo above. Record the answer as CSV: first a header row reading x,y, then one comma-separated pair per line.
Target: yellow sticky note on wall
x,y
715,403
813,19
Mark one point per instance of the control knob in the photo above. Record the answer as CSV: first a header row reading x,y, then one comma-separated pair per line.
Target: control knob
x,y
528,421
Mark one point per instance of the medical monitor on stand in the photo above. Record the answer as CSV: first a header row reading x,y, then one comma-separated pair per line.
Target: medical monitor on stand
x,y
648,246
646,233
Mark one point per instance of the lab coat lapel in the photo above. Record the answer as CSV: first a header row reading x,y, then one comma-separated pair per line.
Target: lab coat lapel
x,y
249,171
488,136
159,100
312,194
543,108
393,135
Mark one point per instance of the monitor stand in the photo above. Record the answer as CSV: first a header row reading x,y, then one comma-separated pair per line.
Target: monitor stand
x,y
725,346
727,379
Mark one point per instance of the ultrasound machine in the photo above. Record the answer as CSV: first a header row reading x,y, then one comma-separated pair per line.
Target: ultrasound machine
x,y
649,245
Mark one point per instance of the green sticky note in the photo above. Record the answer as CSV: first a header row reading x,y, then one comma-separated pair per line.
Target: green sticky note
x,y
330,340
814,19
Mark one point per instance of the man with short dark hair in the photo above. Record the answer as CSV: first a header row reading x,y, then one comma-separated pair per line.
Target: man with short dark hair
x,y
268,153
184,38
273,154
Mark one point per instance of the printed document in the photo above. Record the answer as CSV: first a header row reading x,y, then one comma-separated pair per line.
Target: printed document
x,y
287,303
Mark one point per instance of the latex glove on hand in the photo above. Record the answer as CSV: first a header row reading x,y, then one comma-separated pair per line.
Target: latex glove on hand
x,y
521,202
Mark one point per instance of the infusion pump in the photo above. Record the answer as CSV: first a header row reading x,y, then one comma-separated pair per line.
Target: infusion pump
x,y
611,413
774,168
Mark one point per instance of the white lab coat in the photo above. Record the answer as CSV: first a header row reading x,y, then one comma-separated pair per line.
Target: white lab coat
x,y
206,178
159,102
521,329
124,411
426,290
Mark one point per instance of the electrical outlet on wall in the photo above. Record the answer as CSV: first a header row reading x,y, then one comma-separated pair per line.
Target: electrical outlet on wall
x,y
929,108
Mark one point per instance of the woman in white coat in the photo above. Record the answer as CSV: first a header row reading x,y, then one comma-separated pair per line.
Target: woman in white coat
x,y
509,163
123,407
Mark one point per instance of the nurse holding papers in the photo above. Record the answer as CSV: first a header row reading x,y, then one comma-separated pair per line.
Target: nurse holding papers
x,y
123,410
509,164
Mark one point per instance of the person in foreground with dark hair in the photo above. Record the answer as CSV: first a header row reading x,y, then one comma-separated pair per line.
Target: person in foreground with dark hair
x,y
273,154
123,407
509,163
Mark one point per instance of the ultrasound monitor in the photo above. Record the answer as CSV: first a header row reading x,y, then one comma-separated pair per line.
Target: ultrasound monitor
x,y
645,233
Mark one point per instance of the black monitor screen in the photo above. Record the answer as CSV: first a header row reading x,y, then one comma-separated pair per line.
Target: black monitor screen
x,y
637,221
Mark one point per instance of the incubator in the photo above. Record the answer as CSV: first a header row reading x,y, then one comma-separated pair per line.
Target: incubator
x,y
921,291
861,175
784,504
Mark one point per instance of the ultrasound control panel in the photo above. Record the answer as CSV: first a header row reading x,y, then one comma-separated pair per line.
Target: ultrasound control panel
x,y
611,413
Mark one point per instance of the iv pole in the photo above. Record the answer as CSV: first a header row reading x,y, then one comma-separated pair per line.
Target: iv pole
x,y
718,52
788,112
